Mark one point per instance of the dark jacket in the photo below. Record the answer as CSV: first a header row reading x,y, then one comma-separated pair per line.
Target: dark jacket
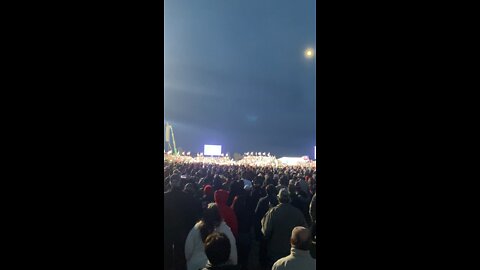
x,y
257,194
223,267
235,188
300,201
180,215
264,204
277,226
242,212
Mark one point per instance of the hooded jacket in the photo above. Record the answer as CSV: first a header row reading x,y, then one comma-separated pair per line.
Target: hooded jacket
x,y
226,212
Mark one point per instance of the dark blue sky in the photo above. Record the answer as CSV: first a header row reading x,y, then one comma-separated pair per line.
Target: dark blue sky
x,y
236,75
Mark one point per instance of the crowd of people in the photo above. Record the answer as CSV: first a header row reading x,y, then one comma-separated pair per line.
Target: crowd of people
x,y
256,160
231,216
259,160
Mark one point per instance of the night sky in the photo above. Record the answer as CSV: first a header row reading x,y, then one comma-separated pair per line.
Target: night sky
x,y
236,75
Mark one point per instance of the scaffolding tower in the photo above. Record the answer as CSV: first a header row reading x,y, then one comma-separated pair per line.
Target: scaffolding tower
x,y
169,138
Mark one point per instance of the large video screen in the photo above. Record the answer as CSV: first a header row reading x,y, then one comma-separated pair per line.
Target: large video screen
x,y
212,150
315,151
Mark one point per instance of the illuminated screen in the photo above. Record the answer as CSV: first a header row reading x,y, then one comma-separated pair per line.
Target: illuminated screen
x,y
315,152
212,150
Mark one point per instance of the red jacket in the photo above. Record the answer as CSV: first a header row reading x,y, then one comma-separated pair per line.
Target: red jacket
x,y
226,212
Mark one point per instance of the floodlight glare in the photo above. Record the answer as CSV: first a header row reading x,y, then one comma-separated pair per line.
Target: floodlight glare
x,y
309,53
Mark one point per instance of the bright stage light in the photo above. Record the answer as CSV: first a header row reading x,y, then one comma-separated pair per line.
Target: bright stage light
x,y
309,53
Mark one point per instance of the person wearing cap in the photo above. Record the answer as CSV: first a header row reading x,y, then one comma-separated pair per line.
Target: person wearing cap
x,y
277,224
180,214
299,257
248,187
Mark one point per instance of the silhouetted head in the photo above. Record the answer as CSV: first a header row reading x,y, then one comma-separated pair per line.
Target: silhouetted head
x,y
210,220
271,190
176,181
301,238
283,196
217,248
207,190
189,188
